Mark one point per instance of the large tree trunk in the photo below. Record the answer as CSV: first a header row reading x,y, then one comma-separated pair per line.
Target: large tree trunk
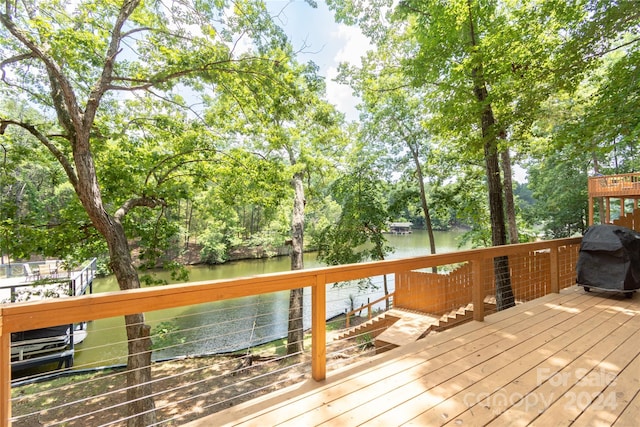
x,y
508,195
140,405
76,122
295,337
423,200
504,292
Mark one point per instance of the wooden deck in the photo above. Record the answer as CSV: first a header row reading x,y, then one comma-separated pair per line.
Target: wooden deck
x,y
617,188
564,359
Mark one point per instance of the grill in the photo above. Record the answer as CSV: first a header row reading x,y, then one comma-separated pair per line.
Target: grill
x,y
609,259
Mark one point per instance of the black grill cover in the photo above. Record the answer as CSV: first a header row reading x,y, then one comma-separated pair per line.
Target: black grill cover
x,y
609,258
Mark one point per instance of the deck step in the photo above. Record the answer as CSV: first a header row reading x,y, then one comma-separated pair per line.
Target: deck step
x,y
408,328
417,325
398,326
372,326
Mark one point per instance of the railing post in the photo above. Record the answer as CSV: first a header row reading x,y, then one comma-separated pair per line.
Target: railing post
x,y
554,270
477,290
5,376
319,329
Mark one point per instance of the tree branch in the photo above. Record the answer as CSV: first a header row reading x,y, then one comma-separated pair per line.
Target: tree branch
x,y
13,59
150,202
55,71
144,84
64,161
103,82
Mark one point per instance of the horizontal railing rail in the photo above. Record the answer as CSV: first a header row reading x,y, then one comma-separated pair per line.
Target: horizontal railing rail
x,y
31,315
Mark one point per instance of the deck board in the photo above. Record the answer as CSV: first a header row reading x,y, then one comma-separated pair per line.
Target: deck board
x,y
624,388
432,387
502,376
519,367
516,379
507,351
573,362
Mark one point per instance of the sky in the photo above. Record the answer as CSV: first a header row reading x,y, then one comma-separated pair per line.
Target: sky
x,y
327,45
325,42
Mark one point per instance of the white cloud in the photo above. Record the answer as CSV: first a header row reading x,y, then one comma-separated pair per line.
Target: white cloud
x,y
325,42
353,45
341,95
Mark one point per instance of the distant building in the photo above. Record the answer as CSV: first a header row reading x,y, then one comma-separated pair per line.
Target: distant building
x,y
400,227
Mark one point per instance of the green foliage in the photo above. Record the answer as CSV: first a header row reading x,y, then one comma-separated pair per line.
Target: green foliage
x,y
358,234
365,341
149,149
40,212
563,85
559,186
214,246
528,55
102,266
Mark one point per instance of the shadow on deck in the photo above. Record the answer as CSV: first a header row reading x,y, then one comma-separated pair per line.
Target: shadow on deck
x,y
563,359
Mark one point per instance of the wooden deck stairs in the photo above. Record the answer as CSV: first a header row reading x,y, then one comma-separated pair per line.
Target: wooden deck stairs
x,y
372,327
397,326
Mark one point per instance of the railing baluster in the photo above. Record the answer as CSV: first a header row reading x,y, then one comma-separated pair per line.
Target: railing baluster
x,y
554,270
477,290
319,328
5,376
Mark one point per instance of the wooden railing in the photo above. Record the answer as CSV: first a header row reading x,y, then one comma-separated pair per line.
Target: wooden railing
x,y
559,273
83,279
620,185
616,187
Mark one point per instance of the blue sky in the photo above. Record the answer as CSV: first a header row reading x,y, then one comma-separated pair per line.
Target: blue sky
x,y
325,43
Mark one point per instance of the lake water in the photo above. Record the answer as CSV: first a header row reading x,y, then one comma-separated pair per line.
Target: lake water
x,y
230,325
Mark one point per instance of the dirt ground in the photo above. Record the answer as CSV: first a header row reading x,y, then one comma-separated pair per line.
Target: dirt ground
x,y
184,389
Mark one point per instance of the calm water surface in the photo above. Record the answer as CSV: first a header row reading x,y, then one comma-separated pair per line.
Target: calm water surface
x,y
230,325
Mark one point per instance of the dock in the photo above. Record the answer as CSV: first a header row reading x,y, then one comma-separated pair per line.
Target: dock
x,y
43,280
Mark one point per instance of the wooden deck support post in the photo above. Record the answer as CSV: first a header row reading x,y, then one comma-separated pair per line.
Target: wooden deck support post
x,y
319,329
477,290
5,376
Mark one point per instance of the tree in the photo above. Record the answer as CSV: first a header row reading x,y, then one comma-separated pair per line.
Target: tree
x,y
285,120
358,233
439,36
392,120
487,66
136,47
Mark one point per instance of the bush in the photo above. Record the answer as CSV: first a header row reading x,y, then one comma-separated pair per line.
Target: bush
x,y
214,247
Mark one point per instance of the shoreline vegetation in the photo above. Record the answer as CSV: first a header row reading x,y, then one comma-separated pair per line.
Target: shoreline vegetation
x,y
192,254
